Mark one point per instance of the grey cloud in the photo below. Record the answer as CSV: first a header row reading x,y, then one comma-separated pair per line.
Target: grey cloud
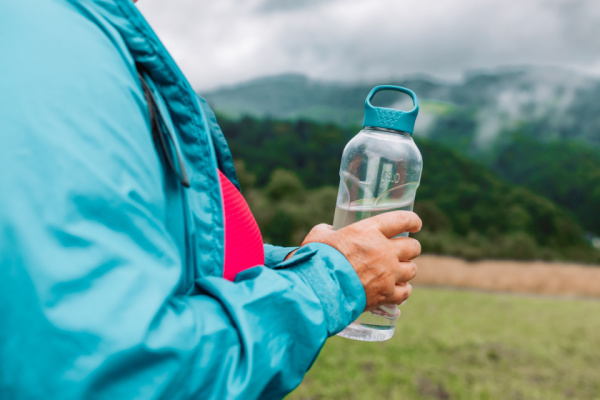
x,y
580,23
227,41
289,5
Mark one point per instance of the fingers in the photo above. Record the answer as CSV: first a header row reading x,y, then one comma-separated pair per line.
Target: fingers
x,y
405,272
395,222
402,293
406,248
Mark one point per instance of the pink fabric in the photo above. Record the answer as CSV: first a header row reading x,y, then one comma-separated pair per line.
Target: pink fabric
x,y
243,241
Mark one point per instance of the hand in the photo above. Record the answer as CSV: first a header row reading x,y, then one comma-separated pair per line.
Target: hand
x,y
383,264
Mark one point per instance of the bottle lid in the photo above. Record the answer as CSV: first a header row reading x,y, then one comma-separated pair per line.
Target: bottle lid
x,y
389,118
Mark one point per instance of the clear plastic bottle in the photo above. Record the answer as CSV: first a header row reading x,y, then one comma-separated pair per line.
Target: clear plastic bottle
x,y
380,172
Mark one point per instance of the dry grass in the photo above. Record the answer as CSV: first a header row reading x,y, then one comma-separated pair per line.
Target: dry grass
x,y
510,276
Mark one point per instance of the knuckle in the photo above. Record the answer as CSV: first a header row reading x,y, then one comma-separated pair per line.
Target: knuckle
x,y
322,228
403,218
405,296
416,246
414,270
314,231
401,295
417,220
409,248
372,229
321,233
409,271
351,231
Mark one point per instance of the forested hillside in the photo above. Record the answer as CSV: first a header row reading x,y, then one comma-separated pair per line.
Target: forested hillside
x,y
566,172
289,173
535,127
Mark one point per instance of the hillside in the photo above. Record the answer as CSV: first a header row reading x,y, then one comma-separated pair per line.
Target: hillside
x,y
536,127
290,177
568,173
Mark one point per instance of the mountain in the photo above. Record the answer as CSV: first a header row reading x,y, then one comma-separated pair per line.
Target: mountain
x,y
559,103
291,172
536,127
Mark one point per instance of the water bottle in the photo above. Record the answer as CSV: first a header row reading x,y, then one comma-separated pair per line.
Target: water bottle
x,y
380,172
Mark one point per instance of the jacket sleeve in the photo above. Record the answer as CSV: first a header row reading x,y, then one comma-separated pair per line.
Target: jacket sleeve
x,y
276,254
88,270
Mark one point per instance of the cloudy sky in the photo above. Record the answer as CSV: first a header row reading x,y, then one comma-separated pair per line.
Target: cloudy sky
x,y
221,42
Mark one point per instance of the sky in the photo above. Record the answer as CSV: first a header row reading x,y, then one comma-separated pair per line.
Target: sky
x,y
223,42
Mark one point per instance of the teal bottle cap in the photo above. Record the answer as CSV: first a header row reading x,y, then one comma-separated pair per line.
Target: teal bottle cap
x,y
389,118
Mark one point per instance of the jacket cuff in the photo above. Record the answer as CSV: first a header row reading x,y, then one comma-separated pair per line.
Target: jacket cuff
x,y
334,281
276,254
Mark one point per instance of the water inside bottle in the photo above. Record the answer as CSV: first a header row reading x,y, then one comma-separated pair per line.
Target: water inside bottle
x,y
379,324
346,215
373,326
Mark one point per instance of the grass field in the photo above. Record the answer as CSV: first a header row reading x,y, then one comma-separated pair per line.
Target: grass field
x,y
452,344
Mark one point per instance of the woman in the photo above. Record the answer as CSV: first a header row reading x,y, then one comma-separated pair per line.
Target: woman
x,y
115,235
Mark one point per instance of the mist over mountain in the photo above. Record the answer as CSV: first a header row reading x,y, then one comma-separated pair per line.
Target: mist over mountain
x,y
555,103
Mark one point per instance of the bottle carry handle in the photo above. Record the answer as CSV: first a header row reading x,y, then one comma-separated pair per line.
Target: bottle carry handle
x,y
389,118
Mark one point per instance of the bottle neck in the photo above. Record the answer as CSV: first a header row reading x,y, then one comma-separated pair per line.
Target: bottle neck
x,y
386,131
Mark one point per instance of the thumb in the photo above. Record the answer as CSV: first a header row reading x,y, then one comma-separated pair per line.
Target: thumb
x,y
318,233
322,228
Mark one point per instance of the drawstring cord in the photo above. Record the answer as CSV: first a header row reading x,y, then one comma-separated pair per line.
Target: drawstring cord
x,y
160,136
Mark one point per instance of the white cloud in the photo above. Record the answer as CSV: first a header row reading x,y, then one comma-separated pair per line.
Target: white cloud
x,y
226,41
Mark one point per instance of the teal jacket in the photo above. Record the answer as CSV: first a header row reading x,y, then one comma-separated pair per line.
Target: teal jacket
x,y
110,270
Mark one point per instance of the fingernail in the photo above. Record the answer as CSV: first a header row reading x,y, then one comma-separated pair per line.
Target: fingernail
x,y
404,302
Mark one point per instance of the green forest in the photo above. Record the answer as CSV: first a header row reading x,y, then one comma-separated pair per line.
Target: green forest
x,y
564,170
529,200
